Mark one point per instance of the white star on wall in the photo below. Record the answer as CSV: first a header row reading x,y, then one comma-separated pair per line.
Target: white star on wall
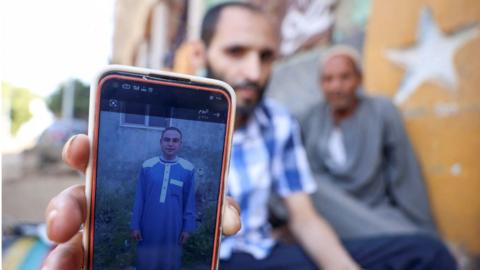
x,y
431,59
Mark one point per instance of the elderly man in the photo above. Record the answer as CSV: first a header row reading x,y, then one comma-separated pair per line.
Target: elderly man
x,y
267,157
164,210
361,155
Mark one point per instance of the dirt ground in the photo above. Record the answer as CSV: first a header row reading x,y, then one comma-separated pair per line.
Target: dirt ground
x,y
28,186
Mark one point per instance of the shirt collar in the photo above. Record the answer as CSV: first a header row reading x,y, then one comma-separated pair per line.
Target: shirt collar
x,y
260,117
167,161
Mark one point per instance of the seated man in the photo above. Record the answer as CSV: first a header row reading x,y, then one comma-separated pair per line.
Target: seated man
x,y
362,158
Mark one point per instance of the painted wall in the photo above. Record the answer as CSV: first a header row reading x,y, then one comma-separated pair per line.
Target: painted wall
x,y
426,55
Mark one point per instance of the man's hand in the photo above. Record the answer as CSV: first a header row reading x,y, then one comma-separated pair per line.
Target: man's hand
x,y
184,237
137,235
67,212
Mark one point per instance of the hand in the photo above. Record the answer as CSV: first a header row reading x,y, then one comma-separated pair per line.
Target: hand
x,y
184,237
67,212
137,235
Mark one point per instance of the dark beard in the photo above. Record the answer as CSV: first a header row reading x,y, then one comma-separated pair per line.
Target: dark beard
x,y
243,111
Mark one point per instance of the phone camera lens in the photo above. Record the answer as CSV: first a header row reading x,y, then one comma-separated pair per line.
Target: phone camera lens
x,y
113,103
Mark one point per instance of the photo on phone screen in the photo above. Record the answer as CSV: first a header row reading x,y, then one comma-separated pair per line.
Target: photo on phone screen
x,y
160,152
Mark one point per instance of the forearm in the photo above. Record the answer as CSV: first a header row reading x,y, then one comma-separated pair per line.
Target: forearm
x,y
321,243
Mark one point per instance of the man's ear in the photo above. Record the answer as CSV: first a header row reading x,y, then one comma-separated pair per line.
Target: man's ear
x,y
360,78
190,57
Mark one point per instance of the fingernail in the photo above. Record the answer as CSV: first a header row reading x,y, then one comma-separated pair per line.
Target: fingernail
x,y
51,216
234,209
67,146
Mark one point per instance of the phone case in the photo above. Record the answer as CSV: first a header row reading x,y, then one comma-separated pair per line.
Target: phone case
x,y
92,128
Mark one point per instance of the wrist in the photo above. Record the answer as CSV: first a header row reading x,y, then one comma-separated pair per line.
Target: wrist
x,y
340,263
338,259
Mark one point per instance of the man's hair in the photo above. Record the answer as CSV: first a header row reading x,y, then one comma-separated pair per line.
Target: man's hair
x,y
210,20
171,128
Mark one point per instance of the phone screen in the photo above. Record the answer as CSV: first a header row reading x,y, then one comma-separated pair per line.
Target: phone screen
x,y
159,164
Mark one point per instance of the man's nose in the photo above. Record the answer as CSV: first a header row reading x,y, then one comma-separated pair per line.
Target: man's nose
x,y
336,84
252,67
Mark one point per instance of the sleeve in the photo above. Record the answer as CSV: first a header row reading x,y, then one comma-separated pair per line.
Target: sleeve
x,y
311,137
290,168
189,208
139,201
406,184
305,120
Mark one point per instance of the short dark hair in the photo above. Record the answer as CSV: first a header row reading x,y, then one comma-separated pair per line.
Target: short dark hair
x,y
171,128
210,20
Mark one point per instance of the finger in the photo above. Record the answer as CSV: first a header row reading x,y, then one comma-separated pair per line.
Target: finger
x,y
68,255
65,214
76,152
231,217
231,202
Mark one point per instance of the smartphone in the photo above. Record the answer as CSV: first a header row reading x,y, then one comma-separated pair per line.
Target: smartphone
x,y
155,183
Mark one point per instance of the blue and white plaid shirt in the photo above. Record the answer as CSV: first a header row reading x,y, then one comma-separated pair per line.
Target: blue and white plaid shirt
x,y
267,156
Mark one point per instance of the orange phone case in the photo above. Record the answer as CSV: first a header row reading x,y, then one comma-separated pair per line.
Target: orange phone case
x,y
94,113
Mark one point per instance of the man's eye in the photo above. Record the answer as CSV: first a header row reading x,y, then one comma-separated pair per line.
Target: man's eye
x,y
235,51
326,79
345,77
267,56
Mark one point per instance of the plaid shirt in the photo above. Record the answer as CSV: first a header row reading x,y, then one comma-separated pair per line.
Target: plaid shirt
x,y
267,156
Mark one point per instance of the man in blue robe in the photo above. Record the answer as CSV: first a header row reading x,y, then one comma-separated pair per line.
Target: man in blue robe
x,y
164,210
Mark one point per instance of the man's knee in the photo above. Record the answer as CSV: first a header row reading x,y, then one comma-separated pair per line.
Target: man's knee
x,y
413,251
432,251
